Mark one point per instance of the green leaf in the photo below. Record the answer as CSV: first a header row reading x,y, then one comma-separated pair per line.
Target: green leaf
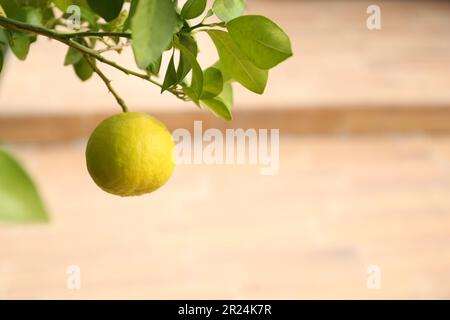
x,y
265,43
19,198
222,104
131,12
171,76
62,4
191,94
154,68
90,17
219,108
30,15
197,74
212,83
73,56
48,18
226,96
107,9
33,3
225,74
227,10
83,69
152,26
193,8
1,59
237,64
11,7
86,12
20,44
184,66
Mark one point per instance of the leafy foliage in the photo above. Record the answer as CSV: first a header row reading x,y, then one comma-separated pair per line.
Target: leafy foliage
x,y
19,199
247,45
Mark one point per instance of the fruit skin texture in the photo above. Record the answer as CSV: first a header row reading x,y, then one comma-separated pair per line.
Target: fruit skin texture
x,y
130,154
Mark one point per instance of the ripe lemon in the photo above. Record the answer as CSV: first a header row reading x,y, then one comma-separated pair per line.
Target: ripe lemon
x,y
130,154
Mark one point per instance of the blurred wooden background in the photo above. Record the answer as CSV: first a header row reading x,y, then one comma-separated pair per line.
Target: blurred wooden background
x,y
364,173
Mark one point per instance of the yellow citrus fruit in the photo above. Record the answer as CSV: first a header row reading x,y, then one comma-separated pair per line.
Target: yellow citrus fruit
x,y
130,154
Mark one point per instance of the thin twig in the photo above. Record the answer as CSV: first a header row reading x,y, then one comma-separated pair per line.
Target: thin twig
x,y
117,48
83,34
119,100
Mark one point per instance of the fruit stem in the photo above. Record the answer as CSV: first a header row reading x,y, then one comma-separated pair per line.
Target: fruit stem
x,y
119,100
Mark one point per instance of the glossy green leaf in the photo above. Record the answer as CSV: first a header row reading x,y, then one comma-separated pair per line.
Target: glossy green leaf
x,y
221,105
191,94
218,107
155,67
225,74
152,26
19,198
184,66
212,83
197,74
107,9
237,64
265,43
227,10
10,7
171,78
226,96
72,56
131,12
20,44
193,8
83,69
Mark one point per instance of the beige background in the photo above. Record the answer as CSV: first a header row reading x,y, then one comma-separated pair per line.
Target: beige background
x,y
340,203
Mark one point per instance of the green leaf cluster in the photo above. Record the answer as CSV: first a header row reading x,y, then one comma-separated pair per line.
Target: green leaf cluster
x,y
248,46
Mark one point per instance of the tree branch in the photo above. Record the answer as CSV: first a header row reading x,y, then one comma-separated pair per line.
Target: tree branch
x,y
94,34
66,39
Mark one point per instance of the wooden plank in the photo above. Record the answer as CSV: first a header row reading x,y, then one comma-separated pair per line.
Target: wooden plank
x,y
343,120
